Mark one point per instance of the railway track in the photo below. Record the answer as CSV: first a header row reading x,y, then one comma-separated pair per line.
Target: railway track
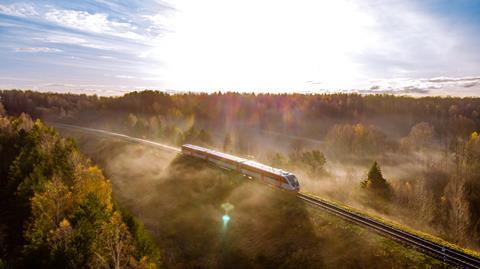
x,y
118,135
441,252
436,250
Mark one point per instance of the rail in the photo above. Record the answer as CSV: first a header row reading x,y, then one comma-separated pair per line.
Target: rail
x,y
436,250
441,252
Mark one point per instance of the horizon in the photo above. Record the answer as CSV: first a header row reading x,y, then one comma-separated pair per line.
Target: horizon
x,y
120,94
110,48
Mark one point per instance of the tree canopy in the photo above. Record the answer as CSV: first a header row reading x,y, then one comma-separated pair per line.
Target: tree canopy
x,y
58,208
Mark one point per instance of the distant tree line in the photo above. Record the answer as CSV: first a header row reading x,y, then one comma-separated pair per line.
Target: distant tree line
x,y
310,115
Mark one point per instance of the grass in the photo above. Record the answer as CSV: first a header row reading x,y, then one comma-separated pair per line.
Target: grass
x,y
396,225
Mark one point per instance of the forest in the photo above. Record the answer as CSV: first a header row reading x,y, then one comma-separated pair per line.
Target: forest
x,y
415,161
57,209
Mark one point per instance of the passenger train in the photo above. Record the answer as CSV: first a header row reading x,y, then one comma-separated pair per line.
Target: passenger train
x,y
265,173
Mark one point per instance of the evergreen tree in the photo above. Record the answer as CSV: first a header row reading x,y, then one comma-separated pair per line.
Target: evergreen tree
x,y
375,179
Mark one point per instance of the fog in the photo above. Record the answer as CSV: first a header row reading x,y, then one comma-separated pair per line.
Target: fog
x,y
179,199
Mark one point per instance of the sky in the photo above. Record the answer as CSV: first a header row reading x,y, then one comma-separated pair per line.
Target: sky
x,y
428,47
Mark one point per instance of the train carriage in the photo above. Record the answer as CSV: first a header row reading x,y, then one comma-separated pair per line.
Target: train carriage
x,y
265,173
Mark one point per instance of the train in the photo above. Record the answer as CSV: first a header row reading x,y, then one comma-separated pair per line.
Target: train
x,y
273,176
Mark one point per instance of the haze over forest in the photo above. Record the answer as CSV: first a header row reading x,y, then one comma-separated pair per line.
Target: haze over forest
x,y
413,161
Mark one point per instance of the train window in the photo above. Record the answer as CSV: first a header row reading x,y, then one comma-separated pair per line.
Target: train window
x,y
293,180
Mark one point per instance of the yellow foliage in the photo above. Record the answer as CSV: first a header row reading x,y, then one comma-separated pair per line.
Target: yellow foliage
x,y
62,235
144,263
53,202
91,181
114,248
359,129
408,186
474,136
49,209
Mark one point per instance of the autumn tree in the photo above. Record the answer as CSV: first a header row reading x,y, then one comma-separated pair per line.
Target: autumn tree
x,y
64,204
194,136
49,208
113,248
420,137
313,160
227,142
2,110
277,160
356,139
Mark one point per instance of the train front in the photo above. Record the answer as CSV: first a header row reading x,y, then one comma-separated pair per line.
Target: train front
x,y
292,181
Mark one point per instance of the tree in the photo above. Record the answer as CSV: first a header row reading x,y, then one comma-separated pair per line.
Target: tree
x,y
375,180
420,136
49,232
59,209
204,137
49,208
277,160
313,160
356,139
227,142
132,120
145,249
2,110
194,136
113,247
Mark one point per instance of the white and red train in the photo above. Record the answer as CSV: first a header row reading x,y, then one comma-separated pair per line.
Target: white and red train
x,y
265,173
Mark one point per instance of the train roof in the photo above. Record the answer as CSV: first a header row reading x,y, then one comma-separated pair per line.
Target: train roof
x,y
266,168
251,163
217,153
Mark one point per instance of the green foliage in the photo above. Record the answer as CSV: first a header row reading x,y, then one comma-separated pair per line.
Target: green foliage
x,y
375,178
144,245
378,185
194,136
42,156
65,205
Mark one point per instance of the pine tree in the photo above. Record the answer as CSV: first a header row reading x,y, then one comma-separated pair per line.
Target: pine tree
x,y
375,179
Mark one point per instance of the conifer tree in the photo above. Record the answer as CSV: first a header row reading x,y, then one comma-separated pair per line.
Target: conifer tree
x,y
375,179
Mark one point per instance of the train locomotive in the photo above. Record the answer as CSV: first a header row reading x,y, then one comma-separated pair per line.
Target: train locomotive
x,y
265,173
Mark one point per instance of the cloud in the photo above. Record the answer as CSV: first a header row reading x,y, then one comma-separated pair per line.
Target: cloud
x,y
450,79
98,23
397,91
471,84
409,39
19,10
72,39
124,76
456,86
107,57
38,49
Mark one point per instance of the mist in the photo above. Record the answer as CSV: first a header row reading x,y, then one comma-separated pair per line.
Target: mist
x,y
179,199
